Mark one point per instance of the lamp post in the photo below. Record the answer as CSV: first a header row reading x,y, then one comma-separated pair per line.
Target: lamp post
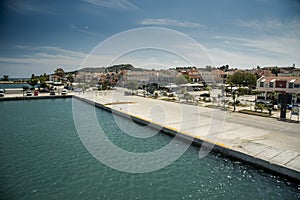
x,y
234,98
283,107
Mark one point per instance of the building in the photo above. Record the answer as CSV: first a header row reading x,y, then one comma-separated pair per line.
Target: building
x,y
162,77
195,76
86,77
280,85
293,72
110,77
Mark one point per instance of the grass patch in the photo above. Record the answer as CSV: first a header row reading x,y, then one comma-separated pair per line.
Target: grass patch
x,y
168,99
215,106
251,112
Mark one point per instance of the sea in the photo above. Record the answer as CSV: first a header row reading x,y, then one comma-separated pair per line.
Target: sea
x,y
14,85
43,157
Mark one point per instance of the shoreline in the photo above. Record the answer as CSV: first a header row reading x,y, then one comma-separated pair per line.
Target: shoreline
x,y
13,82
220,147
273,164
18,98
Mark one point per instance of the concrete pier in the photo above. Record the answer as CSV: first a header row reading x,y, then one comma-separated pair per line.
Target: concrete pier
x,y
264,142
15,98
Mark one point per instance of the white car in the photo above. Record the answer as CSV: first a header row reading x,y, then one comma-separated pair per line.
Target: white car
x,y
28,93
64,92
1,93
78,90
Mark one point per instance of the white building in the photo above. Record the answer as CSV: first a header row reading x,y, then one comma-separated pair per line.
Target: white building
x,y
280,85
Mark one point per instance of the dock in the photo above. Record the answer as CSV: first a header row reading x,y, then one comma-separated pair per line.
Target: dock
x,y
267,143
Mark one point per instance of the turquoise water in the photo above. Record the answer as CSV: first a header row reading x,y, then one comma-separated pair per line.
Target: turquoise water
x,y
16,85
42,157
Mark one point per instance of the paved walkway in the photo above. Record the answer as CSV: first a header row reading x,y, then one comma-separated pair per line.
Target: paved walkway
x,y
263,141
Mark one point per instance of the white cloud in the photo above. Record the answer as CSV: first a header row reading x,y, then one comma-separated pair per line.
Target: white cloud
x,y
248,59
273,45
268,24
272,27
26,7
41,59
115,4
45,59
84,29
269,42
51,50
170,22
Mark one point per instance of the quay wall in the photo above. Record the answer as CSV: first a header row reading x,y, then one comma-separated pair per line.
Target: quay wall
x,y
224,150
17,98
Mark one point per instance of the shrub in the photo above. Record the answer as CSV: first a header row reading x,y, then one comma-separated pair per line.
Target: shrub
x,y
260,107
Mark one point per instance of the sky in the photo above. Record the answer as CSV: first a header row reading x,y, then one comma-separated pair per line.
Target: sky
x,y
37,36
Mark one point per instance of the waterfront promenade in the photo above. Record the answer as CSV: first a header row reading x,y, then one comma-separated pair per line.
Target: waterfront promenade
x,y
266,142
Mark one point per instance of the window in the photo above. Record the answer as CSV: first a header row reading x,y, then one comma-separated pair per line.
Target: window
x,y
280,84
261,84
272,83
296,85
291,85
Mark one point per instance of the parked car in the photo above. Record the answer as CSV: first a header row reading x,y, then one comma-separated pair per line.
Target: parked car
x,y
197,89
267,103
28,93
205,95
1,93
44,90
36,93
77,90
64,92
52,92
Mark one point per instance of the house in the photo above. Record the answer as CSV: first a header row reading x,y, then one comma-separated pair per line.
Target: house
x,y
54,78
280,85
212,77
195,76
162,77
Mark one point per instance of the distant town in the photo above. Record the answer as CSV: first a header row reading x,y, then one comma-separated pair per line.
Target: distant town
x,y
274,84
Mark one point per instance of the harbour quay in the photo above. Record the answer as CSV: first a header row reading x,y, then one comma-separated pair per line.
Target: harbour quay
x,y
267,143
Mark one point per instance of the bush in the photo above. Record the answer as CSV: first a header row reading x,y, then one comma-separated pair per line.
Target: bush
x,y
187,96
171,95
260,107
243,91
164,93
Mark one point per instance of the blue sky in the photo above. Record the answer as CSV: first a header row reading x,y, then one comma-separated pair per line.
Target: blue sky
x,y
39,36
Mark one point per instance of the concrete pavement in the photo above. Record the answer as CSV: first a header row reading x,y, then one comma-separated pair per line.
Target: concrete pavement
x,y
266,142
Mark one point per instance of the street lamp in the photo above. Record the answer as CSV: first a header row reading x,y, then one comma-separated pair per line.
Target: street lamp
x,y
234,98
